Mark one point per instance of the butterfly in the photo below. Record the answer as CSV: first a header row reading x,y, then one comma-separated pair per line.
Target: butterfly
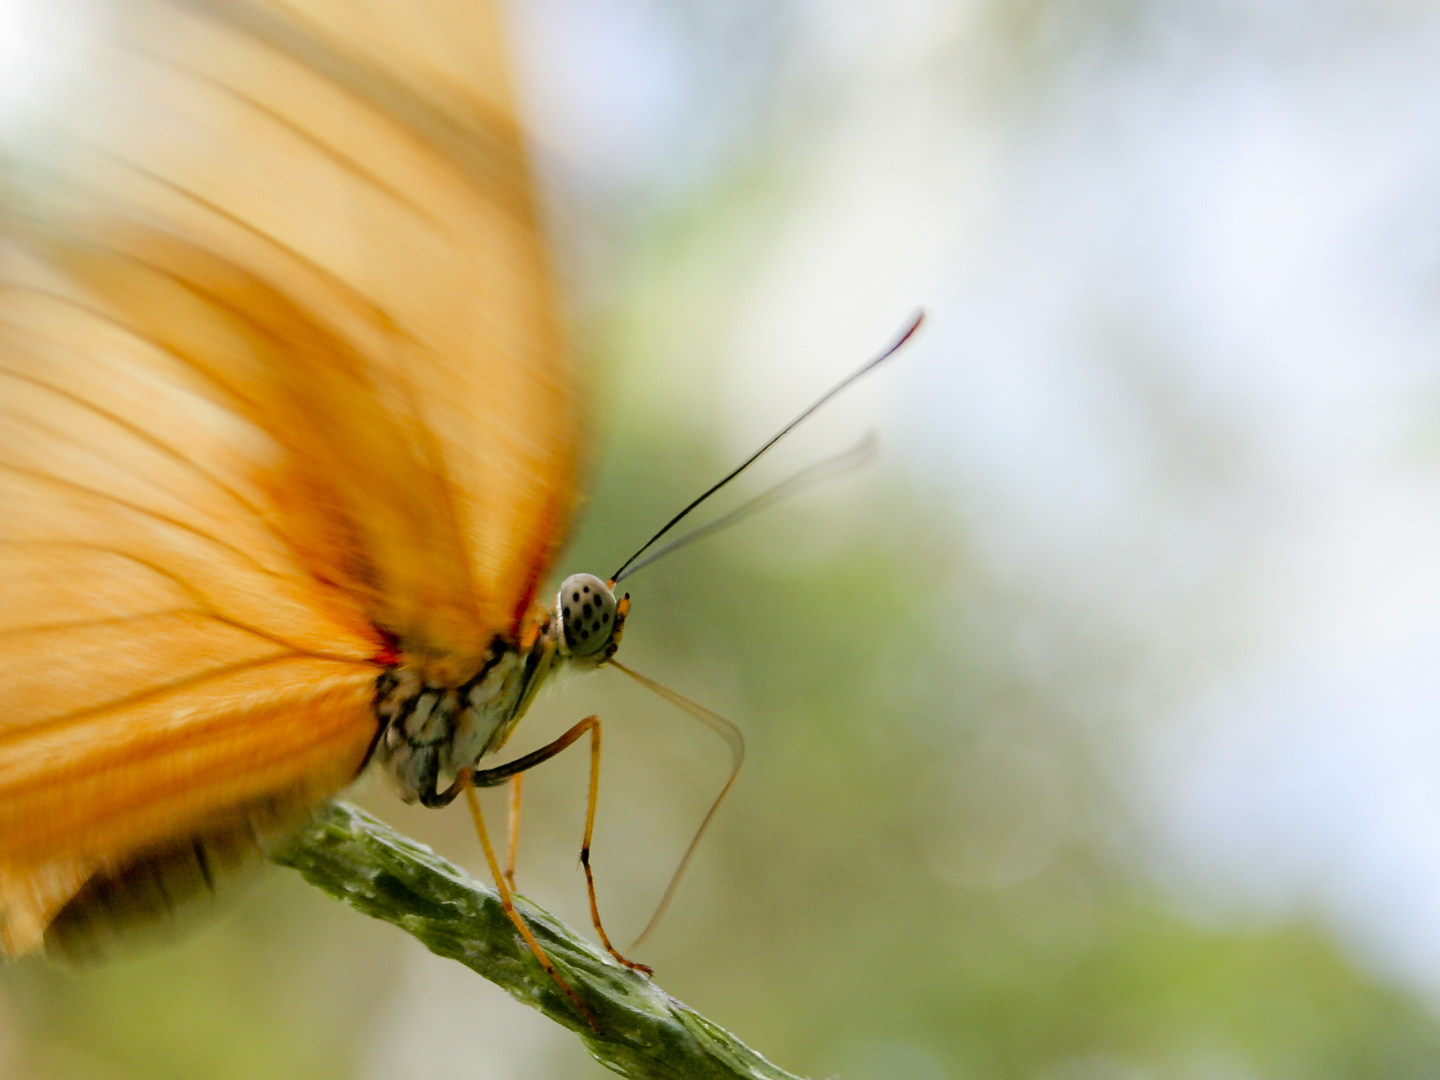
x,y
289,444
284,412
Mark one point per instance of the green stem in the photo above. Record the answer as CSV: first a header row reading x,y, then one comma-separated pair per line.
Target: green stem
x,y
644,1033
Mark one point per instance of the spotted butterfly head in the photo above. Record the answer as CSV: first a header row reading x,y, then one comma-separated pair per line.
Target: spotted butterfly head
x,y
590,618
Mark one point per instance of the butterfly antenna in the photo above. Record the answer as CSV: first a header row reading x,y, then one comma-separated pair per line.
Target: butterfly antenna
x,y
862,453
727,731
869,365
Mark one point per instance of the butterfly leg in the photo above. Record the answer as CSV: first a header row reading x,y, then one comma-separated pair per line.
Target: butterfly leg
x,y
507,902
512,828
497,775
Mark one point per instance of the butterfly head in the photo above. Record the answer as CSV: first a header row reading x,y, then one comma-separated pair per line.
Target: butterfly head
x,y
590,618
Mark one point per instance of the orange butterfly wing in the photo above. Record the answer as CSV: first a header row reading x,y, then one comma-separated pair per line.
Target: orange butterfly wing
x,y
279,383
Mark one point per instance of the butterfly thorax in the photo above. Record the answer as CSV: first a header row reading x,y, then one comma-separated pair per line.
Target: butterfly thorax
x,y
432,729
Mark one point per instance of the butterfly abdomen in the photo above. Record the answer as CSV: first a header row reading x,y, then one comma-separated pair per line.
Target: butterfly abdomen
x,y
433,729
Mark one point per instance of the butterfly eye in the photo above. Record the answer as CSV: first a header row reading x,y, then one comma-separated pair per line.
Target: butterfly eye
x,y
587,614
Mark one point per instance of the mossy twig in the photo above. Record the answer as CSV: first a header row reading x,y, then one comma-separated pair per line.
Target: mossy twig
x,y
644,1033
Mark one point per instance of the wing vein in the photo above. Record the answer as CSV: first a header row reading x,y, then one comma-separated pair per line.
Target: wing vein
x,y
111,319
488,149
140,433
329,276
345,161
82,624
202,604
144,511
27,731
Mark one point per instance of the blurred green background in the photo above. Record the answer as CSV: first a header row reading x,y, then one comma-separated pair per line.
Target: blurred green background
x,y
1180,263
